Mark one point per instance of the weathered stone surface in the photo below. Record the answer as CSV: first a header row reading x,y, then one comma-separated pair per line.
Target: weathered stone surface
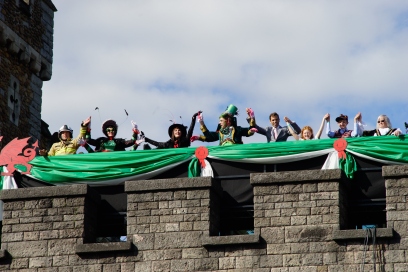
x,y
296,176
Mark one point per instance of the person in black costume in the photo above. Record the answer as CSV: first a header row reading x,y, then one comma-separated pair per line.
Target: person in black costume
x,y
110,143
179,137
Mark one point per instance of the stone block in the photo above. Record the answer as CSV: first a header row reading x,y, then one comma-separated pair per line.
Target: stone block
x,y
172,227
177,240
163,205
162,196
273,235
194,253
175,204
58,261
277,249
111,267
155,228
191,203
31,236
312,259
40,262
298,220
299,248
206,264
280,221
180,195
27,249
12,237
310,188
181,265
290,260
273,198
19,263
143,241
263,222
198,194
301,234
227,263
62,247
247,262
186,226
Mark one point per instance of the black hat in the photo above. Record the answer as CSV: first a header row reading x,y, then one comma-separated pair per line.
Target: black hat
x,y
182,128
342,117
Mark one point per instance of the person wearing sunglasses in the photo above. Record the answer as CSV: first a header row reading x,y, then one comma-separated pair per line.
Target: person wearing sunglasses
x,y
110,143
384,127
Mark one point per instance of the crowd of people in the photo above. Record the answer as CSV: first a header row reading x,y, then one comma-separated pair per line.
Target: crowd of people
x,y
227,133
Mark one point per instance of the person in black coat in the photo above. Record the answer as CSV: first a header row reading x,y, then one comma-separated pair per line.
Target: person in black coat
x,y
110,143
179,137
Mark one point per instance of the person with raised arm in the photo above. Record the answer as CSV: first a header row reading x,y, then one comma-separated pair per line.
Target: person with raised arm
x,y
342,122
110,143
67,144
275,133
384,127
179,137
307,132
229,132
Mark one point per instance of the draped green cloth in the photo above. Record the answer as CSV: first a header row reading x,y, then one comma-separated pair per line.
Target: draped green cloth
x,y
105,167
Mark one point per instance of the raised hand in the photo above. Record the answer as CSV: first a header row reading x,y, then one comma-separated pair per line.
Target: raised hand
x,y
87,122
196,114
200,117
134,127
194,138
250,112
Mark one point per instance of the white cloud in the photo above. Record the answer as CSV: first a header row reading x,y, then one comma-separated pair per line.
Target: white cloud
x,y
299,58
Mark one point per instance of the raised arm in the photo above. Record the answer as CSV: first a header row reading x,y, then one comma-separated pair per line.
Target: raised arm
x,y
358,127
292,131
319,132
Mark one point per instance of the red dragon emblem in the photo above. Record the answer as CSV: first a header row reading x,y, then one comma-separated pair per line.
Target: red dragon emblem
x,y
17,152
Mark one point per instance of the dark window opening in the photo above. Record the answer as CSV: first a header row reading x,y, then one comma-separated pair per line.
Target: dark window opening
x,y
25,6
111,219
363,197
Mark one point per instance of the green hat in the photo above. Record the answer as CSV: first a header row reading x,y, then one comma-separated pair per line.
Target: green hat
x,y
231,110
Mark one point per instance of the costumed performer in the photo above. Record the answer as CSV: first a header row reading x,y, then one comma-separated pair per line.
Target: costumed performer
x,y
67,145
179,137
228,133
110,143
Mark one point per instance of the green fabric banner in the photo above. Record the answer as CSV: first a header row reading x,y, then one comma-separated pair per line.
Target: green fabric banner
x,y
100,167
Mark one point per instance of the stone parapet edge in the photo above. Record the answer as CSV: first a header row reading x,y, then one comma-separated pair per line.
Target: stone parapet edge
x,y
296,176
103,247
362,234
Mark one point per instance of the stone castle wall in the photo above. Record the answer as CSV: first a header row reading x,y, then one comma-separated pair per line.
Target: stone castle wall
x,y
172,225
26,44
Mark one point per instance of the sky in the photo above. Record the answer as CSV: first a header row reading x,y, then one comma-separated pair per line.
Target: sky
x,y
166,60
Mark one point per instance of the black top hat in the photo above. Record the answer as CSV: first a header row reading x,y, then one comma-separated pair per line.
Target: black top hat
x,y
342,117
182,128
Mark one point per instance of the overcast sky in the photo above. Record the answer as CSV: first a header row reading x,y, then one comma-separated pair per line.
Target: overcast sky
x,y
160,60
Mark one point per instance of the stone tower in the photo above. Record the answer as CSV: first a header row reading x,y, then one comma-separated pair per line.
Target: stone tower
x,y
26,44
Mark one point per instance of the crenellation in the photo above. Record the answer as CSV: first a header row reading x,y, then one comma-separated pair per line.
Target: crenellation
x,y
168,230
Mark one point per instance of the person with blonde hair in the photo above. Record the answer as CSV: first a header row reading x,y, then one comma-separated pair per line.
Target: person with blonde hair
x,y
383,128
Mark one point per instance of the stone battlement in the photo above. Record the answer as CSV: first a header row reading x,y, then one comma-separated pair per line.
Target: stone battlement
x,y
172,225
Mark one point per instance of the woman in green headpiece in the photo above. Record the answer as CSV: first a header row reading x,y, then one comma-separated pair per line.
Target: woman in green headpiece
x,y
228,132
